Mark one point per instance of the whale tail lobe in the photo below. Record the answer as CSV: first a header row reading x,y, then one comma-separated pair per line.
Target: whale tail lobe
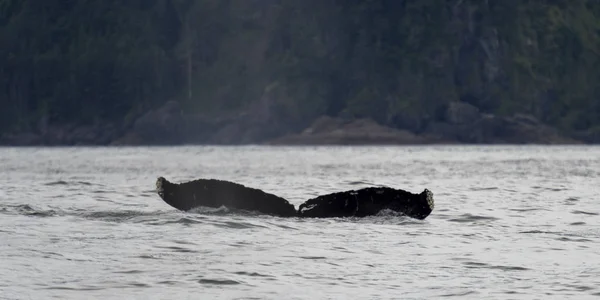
x,y
354,203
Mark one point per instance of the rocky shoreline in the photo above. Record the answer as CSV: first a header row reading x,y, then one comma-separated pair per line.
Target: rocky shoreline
x,y
460,123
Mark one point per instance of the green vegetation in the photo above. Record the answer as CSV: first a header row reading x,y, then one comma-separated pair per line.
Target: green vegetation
x,y
67,61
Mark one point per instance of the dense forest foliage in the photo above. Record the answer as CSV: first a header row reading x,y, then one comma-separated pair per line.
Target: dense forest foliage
x,y
83,61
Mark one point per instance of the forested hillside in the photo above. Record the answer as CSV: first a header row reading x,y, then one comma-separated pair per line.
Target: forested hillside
x,y
397,62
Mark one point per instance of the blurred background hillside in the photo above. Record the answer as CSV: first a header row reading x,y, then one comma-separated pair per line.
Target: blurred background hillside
x,y
253,71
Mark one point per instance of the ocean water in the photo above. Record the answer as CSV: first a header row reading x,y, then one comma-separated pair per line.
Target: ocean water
x,y
511,222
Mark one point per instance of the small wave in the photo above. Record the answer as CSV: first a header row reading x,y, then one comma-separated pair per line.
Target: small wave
x,y
168,282
238,225
566,236
528,209
76,257
138,284
182,242
477,189
145,256
313,257
100,191
102,199
182,220
129,272
399,220
82,288
62,182
460,294
240,244
178,249
252,274
569,239
187,220
581,212
27,210
467,218
120,216
537,232
479,265
551,189
286,227
580,288
218,281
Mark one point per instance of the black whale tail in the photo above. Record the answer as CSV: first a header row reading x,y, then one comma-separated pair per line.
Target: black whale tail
x,y
425,205
368,202
216,193
169,193
160,186
355,203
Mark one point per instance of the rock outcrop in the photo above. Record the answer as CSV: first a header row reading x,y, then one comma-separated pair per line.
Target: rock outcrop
x,y
262,120
464,123
334,131
516,129
591,135
164,125
266,122
65,135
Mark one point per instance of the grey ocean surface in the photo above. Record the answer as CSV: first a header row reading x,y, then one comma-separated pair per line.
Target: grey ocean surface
x,y
510,222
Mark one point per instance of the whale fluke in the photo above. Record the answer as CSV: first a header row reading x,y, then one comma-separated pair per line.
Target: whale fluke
x,y
354,203
216,193
367,202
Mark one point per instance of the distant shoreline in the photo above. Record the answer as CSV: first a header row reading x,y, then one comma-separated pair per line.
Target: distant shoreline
x,y
169,126
299,145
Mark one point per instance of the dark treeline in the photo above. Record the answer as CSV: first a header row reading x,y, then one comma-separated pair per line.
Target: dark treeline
x,y
395,61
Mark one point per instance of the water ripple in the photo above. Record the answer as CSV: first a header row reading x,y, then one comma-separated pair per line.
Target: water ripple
x,y
479,265
512,222
253,274
62,182
469,218
218,281
580,212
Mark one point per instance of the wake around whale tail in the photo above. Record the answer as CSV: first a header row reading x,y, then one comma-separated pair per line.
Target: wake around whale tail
x,y
354,203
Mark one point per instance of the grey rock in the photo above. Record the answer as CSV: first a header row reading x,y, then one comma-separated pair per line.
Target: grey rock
x,y
21,139
461,113
164,125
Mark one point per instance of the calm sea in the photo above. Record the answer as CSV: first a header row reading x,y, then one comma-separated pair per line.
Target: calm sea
x,y
511,222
